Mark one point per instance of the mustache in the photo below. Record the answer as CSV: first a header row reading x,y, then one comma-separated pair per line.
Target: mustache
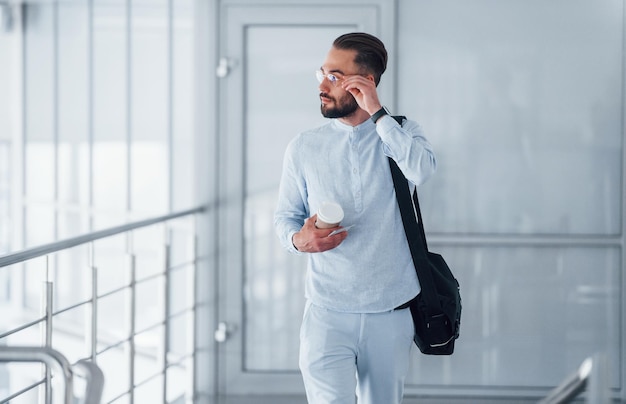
x,y
326,95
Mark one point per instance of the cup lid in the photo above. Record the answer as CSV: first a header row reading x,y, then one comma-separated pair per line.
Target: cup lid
x,y
330,212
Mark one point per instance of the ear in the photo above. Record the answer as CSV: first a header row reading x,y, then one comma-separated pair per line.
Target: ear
x,y
371,78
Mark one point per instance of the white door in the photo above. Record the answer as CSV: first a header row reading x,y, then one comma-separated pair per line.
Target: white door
x,y
268,93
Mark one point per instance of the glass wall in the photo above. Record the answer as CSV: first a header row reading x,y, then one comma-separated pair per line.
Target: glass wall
x,y
100,127
99,119
9,107
108,112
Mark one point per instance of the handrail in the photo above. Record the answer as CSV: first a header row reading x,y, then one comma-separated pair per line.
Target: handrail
x,y
591,376
49,356
95,381
45,249
90,370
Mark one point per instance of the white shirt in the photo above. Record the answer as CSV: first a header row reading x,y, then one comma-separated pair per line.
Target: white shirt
x,y
372,269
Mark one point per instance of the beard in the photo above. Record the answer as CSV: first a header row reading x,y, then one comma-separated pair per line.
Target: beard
x,y
345,106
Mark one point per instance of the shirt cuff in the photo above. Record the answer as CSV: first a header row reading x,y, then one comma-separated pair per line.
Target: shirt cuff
x,y
292,248
385,124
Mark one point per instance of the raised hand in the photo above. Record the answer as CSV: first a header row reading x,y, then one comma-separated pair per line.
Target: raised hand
x,y
363,89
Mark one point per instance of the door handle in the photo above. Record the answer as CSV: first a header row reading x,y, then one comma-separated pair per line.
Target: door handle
x,y
224,67
223,331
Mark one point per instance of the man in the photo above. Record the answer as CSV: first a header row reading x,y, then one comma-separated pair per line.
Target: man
x,y
357,281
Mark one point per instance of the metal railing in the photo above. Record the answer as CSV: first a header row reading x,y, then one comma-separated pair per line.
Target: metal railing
x,y
589,378
98,340
54,359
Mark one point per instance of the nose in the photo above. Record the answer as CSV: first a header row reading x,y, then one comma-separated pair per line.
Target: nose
x,y
324,85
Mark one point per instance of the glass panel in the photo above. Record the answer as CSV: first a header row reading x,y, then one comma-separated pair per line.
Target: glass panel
x,y
73,103
39,170
274,279
150,303
148,359
39,101
150,177
149,249
115,362
72,276
113,318
73,166
179,383
150,114
12,278
107,220
110,80
111,260
72,224
7,275
30,336
18,376
8,121
69,333
5,197
181,289
530,316
110,174
151,392
113,265
182,106
8,88
527,132
181,336
40,225
182,242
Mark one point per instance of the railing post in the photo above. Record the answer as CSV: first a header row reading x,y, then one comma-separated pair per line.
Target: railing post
x,y
192,327
46,309
132,317
92,322
167,301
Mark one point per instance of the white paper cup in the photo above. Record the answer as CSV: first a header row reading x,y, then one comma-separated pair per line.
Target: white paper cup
x,y
329,214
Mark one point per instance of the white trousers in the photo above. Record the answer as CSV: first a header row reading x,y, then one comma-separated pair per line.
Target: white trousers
x,y
347,358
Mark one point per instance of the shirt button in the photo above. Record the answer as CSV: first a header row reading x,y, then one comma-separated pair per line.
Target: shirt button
x,y
354,170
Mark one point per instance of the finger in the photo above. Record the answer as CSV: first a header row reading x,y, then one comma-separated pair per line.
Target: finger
x,y
328,243
310,222
353,85
358,80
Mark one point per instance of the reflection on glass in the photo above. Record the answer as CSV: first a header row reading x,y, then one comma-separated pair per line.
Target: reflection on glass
x,y
530,316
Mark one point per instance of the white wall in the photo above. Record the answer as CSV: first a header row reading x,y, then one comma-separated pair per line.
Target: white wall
x,y
523,103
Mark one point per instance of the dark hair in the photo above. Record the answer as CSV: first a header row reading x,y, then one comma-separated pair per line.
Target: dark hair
x,y
371,54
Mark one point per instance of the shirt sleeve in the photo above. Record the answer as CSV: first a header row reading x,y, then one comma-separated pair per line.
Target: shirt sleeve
x,y
292,207
408,147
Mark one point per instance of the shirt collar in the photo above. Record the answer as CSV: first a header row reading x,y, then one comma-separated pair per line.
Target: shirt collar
x,y
366,125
